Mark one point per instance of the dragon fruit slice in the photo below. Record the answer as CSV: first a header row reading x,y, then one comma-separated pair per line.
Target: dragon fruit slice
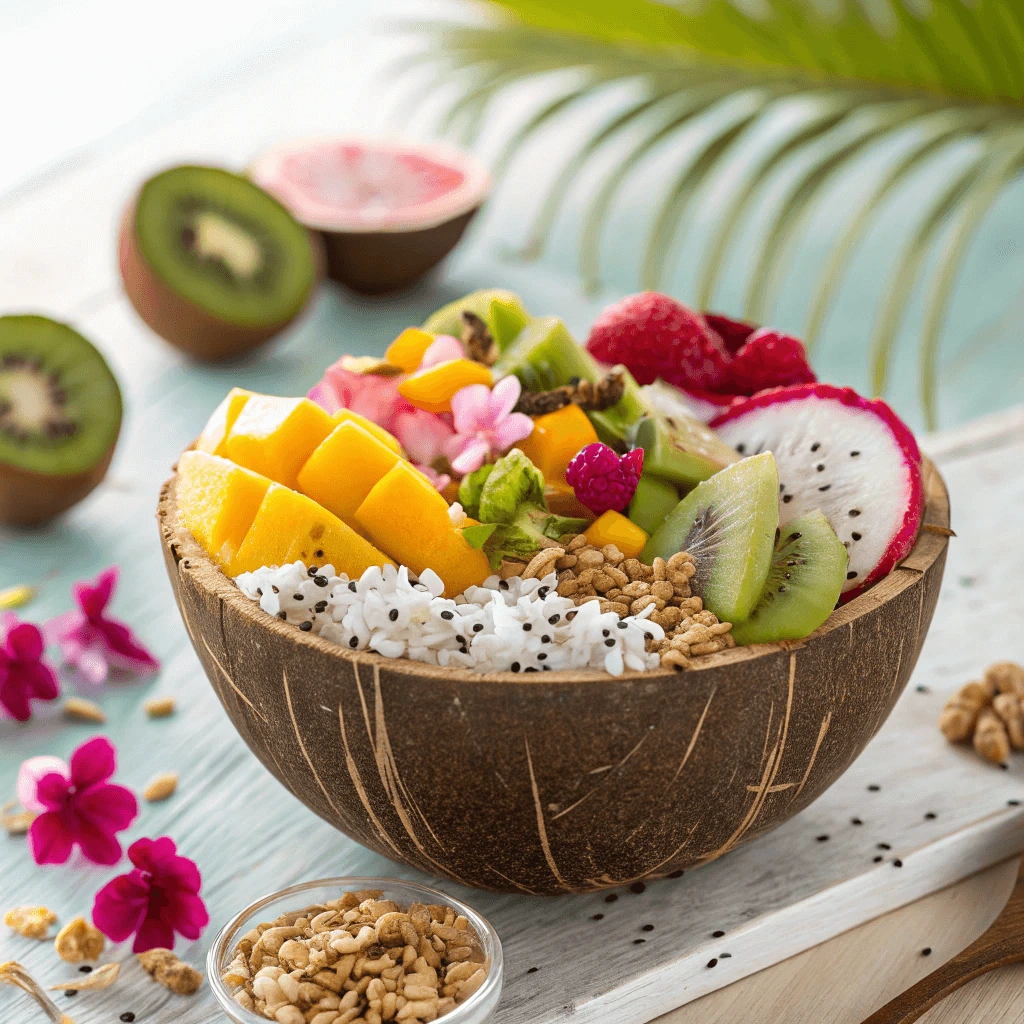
x,y
851,457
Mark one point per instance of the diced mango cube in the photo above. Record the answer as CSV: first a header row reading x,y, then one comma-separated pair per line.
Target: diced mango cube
x,y
556,438
407,350
385,436
615,528
290,526
406,517
275,436
223,419
342,470
432,389
218,502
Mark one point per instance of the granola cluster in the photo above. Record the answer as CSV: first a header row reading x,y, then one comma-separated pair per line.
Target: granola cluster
x,y
359,959
627,586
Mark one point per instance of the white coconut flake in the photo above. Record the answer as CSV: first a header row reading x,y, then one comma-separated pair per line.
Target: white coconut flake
x,y
512,625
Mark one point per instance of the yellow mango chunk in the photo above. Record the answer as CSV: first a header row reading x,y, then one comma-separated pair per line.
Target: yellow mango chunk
x,y
407,350
344,468
406,517
290,526
432,389
218,502
223,419
556,438
615,528
385,436
275,436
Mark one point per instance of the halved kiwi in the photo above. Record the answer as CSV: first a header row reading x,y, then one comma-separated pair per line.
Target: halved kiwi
x,y
214,264
728,524
807,574
60,414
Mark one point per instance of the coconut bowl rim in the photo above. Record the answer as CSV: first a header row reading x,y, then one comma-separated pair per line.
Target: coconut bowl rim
x,y
928,547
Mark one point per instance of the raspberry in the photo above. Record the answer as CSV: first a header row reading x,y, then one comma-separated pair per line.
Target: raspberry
x,y
602,480
655,336
732,332
769,359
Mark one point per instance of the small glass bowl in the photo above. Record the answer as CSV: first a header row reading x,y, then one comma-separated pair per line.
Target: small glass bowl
x,y
475,1010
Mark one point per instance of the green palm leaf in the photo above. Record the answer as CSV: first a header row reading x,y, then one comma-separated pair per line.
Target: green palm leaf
x,y
923,76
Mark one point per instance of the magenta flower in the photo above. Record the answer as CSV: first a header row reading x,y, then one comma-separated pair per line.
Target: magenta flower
x,y
90,640
422,434
24,674
76,804
159,897
485,425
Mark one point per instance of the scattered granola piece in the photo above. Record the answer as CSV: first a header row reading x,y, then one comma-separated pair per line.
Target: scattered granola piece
x,y
161,787
30,922
78,940
12,973
1010,708
16,822
82,710
477,340
170,972
591,396
160,707
16,597
103,977
960,713
1006,677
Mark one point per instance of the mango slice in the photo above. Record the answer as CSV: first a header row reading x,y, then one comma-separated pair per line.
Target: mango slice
x,y
344,468
432,389
615,528
290,526
275,436
385,436
218,502
407,350
406,517
223,419
556,438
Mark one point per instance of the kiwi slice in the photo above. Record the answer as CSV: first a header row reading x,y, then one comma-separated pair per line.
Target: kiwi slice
x,y
653,500
807,574
503,312
60,414
681,449
728,523
214,264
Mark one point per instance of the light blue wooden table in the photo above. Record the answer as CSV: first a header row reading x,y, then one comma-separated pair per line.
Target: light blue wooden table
x,y
123,91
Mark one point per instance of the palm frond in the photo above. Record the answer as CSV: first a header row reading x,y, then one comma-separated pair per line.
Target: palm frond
x,y
921,77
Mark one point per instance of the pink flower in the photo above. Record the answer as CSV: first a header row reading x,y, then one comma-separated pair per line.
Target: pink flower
x,y
93,642
485,425
76,804
159,897
422,434
444,348
24,674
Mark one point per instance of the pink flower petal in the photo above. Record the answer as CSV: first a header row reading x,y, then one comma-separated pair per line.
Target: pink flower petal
x,y
471,409
124,649
109,807
325,396
24,642
62,629
97,845
511,429
29,775
153,933
443,349
422,434
504,396
92,665
471,458
52,791
119,908
93,598
187,913
94,761
49,839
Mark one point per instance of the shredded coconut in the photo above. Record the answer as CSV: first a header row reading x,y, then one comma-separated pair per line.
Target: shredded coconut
x,y
518,625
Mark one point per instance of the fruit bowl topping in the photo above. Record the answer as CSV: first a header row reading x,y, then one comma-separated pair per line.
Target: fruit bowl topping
x,y
602,480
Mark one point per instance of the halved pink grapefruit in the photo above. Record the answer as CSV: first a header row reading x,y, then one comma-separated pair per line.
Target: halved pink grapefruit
x,y
388,212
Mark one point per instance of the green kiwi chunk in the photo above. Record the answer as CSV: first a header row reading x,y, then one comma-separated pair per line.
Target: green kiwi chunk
x,y
807,574
224,245
680,448
652,502
728,524
60,406
503,312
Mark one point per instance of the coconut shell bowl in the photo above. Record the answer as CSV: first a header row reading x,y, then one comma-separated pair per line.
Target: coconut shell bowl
x,y
570,781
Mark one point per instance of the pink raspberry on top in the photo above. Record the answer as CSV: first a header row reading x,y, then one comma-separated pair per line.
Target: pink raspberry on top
x,y
602,480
